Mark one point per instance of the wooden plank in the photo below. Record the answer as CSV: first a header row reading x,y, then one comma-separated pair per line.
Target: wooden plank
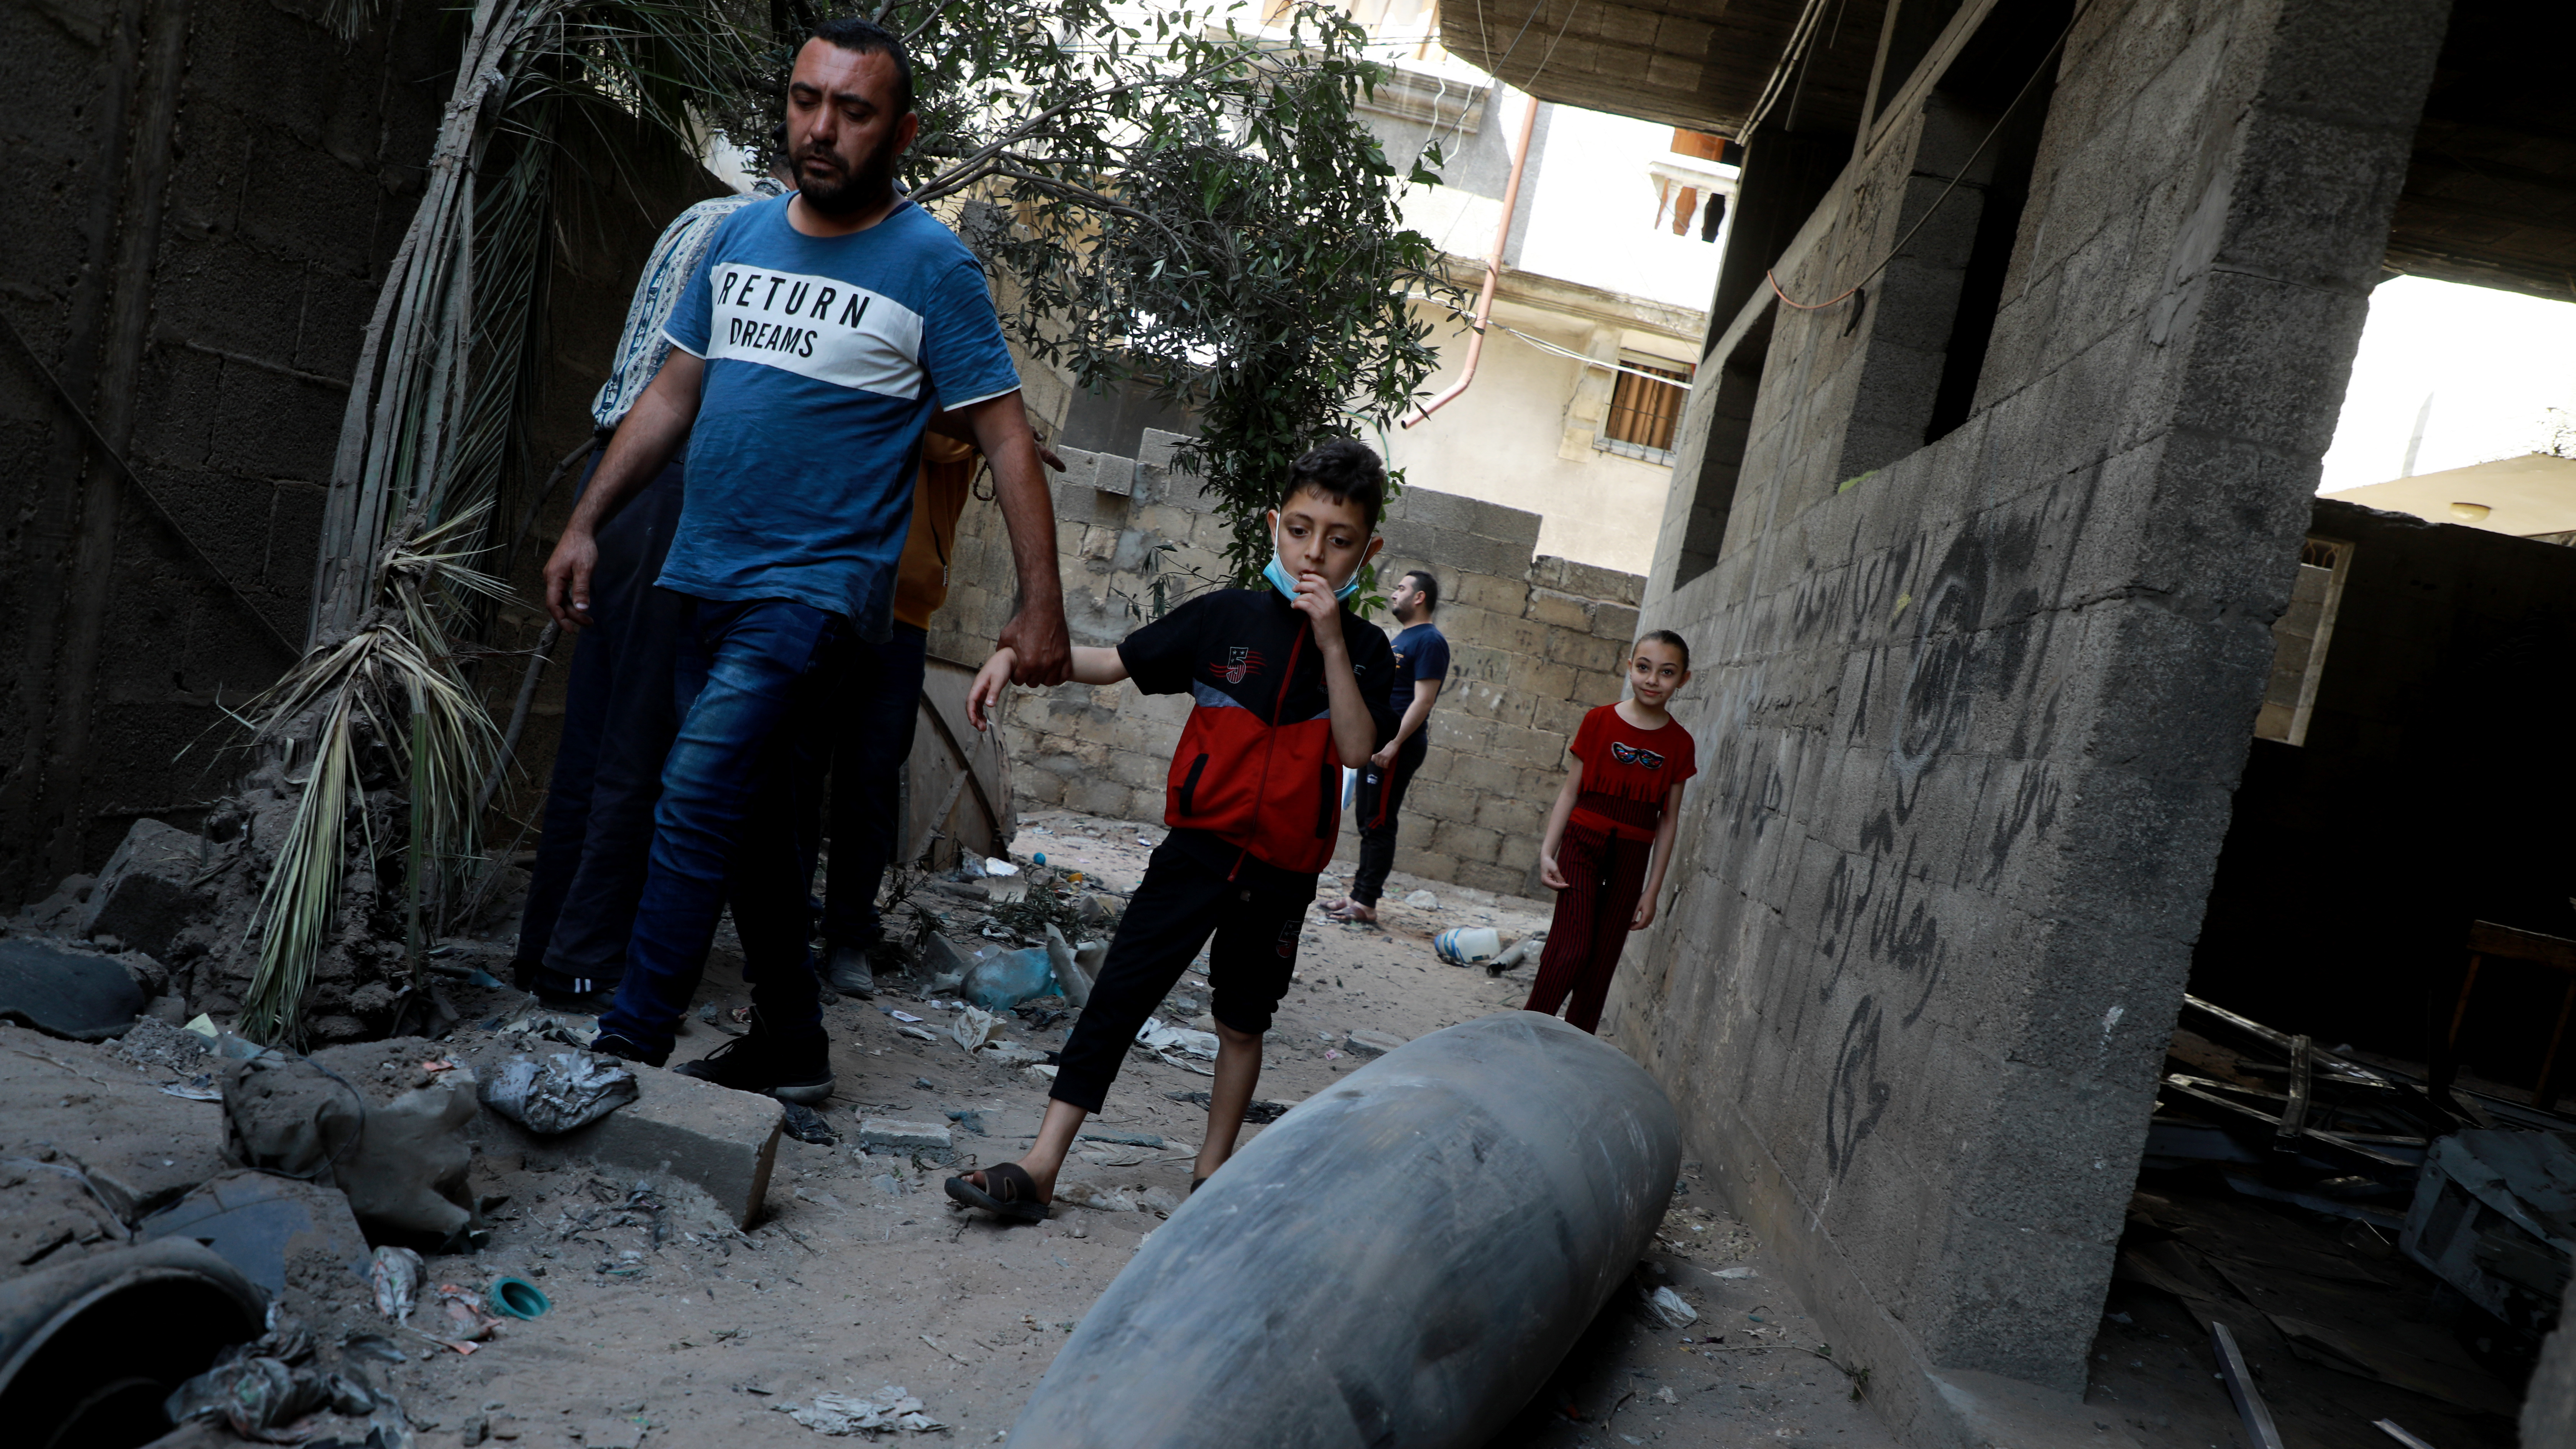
x,y
2486,938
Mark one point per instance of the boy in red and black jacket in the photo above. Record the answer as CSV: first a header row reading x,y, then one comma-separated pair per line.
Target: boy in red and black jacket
x,y
1291,688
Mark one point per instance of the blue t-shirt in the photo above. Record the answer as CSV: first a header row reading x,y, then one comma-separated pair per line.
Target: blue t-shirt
x,y
825,358
1421,652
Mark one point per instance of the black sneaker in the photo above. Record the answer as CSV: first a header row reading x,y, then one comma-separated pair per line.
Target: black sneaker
x,y
559,993
610,1044
799,1072
846,971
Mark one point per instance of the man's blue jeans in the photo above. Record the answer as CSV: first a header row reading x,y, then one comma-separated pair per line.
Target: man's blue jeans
x,y
739,791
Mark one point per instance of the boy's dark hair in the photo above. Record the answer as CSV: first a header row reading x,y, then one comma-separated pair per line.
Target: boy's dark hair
x,y
1429,587
1343,470
1680,645
865,37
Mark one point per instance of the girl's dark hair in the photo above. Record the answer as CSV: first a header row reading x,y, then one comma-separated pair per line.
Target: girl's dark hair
x,y
1343,470
863,37
1680,645
1427,585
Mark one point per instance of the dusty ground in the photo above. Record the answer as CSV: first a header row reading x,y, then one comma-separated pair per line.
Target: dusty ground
x,y
669,1327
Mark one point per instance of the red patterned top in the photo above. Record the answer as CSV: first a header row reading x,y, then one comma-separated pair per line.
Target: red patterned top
x,y
1628,773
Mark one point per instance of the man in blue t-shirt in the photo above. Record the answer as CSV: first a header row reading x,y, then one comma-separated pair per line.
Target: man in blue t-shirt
x,y
1421,667
808,352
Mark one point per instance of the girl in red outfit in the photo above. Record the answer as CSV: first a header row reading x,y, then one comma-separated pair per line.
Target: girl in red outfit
x,y
1611,834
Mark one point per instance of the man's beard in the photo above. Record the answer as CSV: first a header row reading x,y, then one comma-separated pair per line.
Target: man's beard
x,y
855,192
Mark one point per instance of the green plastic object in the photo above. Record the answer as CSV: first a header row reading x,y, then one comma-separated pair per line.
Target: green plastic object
x,y
517,1297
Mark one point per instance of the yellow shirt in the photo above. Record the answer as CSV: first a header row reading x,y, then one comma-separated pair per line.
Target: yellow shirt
x,y
938,497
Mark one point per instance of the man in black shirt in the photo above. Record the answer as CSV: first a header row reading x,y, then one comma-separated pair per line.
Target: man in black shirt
x,y
1421,667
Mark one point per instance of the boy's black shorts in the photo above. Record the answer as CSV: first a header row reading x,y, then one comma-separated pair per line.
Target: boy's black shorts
x,y
1184,898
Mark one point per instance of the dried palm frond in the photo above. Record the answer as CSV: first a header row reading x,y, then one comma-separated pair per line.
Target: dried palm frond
x,y
445,375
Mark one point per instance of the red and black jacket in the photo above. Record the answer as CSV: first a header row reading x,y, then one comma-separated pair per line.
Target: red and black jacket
x,y
1256,769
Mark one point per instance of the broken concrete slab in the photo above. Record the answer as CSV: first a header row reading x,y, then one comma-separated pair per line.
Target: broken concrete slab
x,y
142,1148
274,1229
904,1136
1370,1042
63,991
722,1140
146,893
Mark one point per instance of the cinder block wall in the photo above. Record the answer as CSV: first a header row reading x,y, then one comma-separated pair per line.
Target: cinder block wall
x,y
1534,642
1970,721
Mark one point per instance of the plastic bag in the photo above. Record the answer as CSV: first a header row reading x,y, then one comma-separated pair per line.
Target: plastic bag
x,y
565,1091
998,983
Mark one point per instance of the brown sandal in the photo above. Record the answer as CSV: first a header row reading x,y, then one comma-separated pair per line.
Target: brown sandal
x,y
1013,1198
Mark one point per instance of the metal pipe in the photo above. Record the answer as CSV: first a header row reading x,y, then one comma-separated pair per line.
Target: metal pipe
x,y
1493,268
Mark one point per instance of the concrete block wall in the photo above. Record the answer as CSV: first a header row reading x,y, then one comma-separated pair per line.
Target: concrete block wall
x,y
203,198
1534,642
1969,725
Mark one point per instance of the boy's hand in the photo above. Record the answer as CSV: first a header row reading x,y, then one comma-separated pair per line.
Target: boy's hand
x,y
1550,876
1323,612
1645,914
1384,759
989,683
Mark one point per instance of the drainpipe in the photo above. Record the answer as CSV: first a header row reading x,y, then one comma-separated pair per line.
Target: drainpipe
x,y
1493,269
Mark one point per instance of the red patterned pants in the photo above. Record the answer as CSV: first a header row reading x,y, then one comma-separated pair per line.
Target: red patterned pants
x,y
1606,875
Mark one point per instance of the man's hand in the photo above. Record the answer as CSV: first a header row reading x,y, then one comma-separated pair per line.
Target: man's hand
x,y
1385,758
1035,636
568,578
1645,915
1035,639
989,683
1550,876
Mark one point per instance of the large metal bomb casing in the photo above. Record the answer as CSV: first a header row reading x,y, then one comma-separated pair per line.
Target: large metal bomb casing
x,y
1401,1260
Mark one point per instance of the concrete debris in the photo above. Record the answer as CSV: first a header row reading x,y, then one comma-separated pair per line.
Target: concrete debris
x,y
271,1228
886,1132
64,991
1369,1042
1099,1199
1423,901
723,1141
148,893
565,1091
156,1044
837,1414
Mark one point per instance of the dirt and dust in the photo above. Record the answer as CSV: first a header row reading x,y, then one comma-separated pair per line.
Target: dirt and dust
x,y
670,1327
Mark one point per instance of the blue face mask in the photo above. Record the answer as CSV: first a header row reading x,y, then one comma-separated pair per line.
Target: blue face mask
x,y
1286,583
